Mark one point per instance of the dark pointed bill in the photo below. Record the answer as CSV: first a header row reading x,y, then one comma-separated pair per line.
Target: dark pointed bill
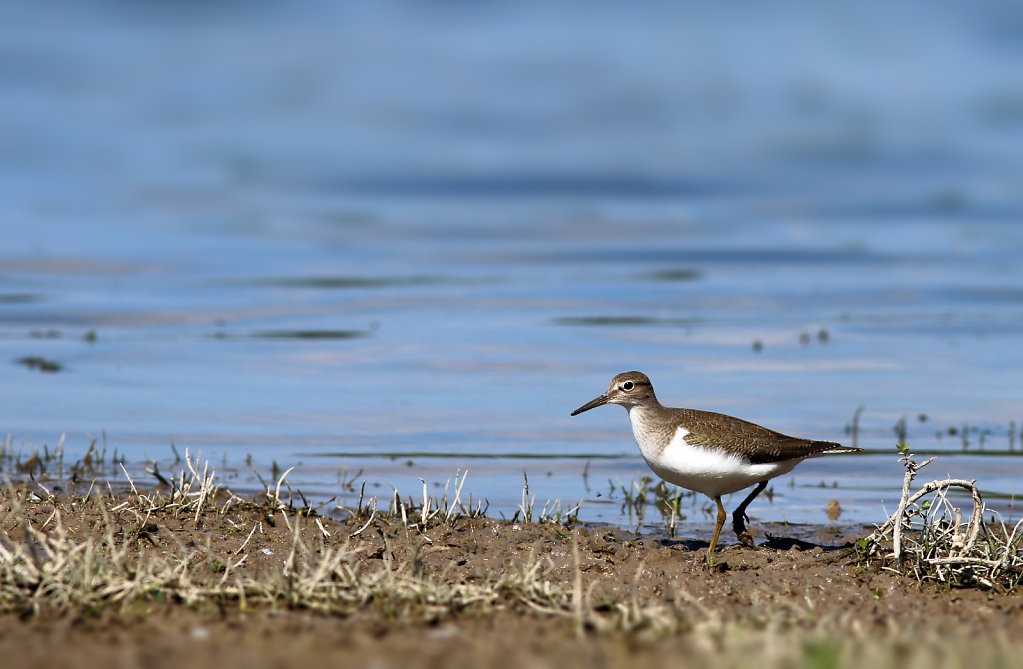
x,y
599,401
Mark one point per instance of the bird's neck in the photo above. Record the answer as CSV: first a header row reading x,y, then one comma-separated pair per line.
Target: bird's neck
x,y
650,427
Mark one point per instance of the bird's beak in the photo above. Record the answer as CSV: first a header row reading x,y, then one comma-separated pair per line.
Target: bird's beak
x,y
599,401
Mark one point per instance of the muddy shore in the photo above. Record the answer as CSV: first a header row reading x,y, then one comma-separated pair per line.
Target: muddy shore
x,y
239,583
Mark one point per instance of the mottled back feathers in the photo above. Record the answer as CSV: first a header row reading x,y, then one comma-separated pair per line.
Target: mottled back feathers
x,y
756,444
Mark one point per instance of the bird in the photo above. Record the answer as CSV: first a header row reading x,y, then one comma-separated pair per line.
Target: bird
x,y
706,452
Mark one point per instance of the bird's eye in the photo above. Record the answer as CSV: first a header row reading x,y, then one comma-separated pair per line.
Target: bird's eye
x,y
628,385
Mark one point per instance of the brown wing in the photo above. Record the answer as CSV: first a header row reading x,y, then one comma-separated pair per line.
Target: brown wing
x,y
758,444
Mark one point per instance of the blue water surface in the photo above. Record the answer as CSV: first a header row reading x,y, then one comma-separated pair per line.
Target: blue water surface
x,y
394,241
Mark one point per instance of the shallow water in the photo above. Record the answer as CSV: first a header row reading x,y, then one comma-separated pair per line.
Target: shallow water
x,y
409,241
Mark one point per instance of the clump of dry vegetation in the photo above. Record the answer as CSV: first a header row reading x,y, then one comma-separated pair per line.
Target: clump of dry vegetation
x,y
192,542
928,539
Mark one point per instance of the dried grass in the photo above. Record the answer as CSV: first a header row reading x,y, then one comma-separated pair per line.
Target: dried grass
x,y
926,537
46,568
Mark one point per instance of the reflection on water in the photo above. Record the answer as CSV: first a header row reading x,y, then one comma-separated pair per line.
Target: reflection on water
x,y
409,240
310,334
621,320
341,283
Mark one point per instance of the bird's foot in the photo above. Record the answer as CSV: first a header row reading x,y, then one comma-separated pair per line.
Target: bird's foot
x,y
745,539
739,521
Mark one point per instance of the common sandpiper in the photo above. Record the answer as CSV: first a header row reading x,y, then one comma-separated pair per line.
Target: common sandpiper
x,y
708,452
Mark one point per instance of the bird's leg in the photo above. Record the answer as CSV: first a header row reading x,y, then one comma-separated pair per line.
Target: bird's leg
x,y
717,528
739,517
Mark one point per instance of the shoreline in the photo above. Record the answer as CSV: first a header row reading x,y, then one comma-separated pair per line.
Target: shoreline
x,y
202,576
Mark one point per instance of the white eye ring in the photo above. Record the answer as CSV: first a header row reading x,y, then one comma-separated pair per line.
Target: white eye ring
x,y
628,385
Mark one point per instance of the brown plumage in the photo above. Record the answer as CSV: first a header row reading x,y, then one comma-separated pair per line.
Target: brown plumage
x,y
758,445
705,451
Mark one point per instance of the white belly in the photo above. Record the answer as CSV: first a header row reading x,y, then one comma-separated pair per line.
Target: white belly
x,y
707,470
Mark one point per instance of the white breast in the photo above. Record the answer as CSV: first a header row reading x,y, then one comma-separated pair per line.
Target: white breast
x,y
708,470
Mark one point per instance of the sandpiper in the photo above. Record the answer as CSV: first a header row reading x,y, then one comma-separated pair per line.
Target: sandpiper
x,y
708,452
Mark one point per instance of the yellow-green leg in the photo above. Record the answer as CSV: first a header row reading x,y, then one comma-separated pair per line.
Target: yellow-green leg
x,y
717,528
